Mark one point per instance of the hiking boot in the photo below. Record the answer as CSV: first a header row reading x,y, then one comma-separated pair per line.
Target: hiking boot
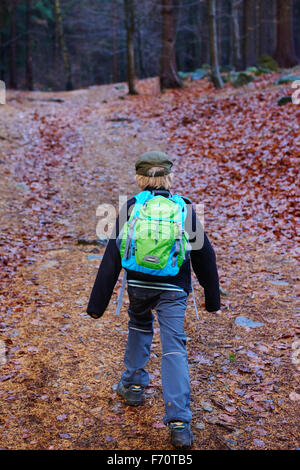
x,y
132,394
181,434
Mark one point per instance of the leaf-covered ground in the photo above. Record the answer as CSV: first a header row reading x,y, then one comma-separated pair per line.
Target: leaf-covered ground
x,y
64,154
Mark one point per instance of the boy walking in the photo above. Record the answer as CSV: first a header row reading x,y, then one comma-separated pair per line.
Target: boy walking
x,y
157,244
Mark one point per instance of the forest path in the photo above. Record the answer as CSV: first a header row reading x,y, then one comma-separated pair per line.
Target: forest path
x,y
61,160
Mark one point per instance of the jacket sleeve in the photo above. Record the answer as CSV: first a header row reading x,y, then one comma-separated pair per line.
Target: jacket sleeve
x,y
108,272
106,279
205,267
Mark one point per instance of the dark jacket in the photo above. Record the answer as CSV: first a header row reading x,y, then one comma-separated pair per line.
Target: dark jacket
x,y
203,261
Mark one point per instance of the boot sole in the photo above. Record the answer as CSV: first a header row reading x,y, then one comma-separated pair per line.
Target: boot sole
x,y
184,446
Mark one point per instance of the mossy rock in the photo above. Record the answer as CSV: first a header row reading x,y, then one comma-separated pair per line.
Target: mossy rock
x,y
233,75
252,69
226,77
199,74
257,71
267,62
263,70
229,77
184,75
205,66
243,79
284,100
287,79
226,69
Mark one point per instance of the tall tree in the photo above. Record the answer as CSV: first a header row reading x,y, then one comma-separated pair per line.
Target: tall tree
x,y
204,33
13,44
260,27
213,42
130,30
169,77
236,38
285,48
29,73
140,53
61,37
3,20
115,64
3,8
249,33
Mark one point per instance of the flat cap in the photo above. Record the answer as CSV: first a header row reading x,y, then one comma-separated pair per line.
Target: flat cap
x,y
154,159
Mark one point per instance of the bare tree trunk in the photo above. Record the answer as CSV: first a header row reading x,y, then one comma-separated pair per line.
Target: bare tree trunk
x,y
219,30
3,15
3,8
194,19
213,41
169,77
226,34
204,35
61,36
237,53
260,29
249,49
140,54
285,49
115,43
2,74
268,40
13,45
29,73
130,30
266,27
56,47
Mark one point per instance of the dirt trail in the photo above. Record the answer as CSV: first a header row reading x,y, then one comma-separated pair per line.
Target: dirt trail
x,y
61,366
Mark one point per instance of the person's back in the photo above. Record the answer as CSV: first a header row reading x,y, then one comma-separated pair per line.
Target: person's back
x,y
150,287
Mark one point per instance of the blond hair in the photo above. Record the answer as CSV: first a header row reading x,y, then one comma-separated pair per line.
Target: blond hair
x,y
154,181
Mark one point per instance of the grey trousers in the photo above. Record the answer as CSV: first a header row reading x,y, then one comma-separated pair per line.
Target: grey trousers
x,y
170,307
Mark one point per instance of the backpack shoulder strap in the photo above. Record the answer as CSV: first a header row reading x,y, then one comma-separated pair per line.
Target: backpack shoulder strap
x,y
121,295
140,199
186,200
194,299
161,192
180,201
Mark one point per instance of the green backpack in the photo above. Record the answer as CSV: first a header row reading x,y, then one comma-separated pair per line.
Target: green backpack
x,y
154,241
